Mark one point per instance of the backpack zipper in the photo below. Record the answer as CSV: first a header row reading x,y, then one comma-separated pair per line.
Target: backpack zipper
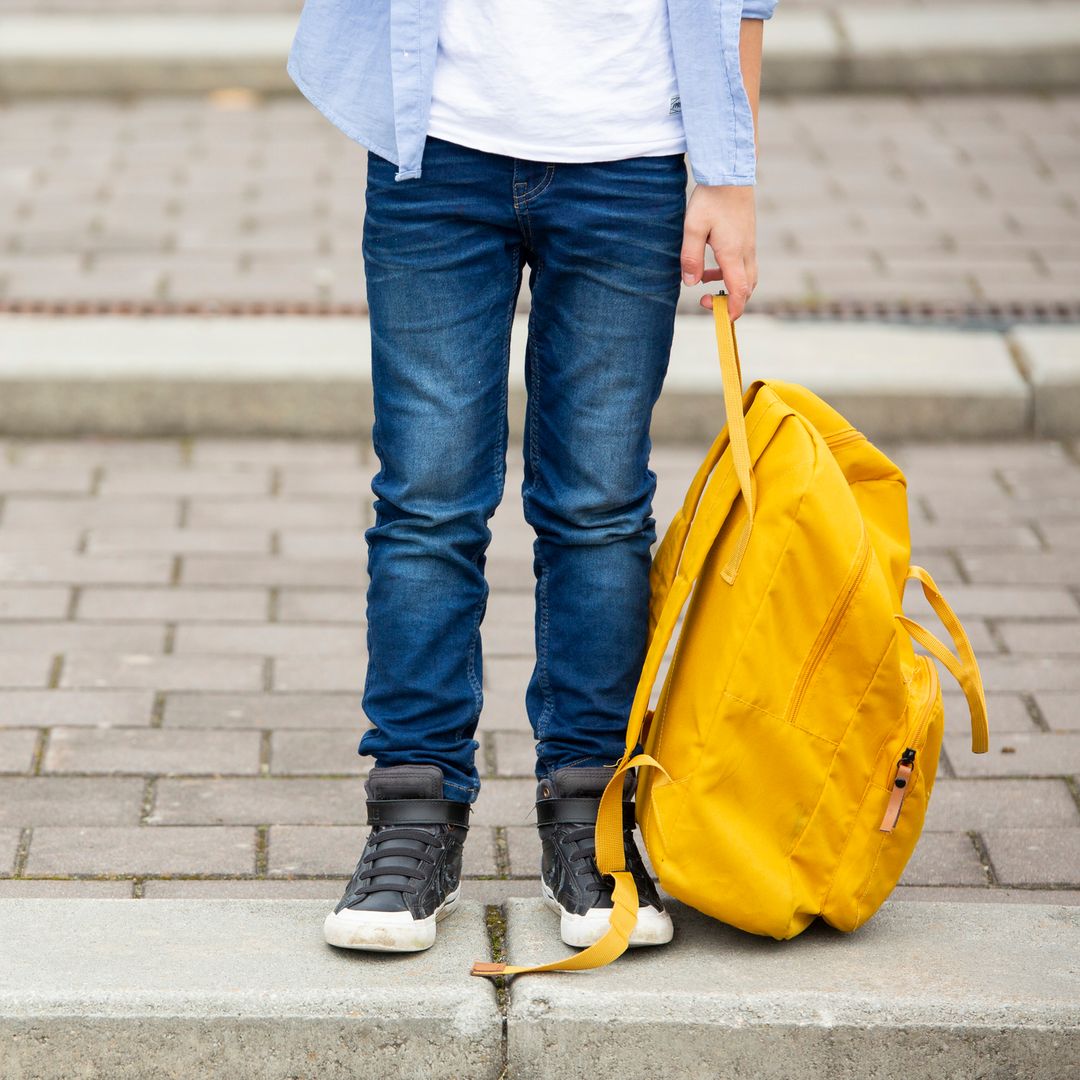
x,y
832,624
901,784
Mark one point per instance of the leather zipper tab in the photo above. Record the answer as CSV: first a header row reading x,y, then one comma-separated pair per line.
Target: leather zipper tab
x,y
902,781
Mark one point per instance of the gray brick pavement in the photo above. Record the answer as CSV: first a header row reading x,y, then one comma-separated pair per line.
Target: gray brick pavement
x,y
178,200
206,732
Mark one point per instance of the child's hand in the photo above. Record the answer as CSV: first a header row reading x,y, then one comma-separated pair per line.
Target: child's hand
x,y
723,218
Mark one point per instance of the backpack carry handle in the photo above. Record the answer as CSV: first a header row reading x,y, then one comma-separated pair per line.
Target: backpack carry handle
x,y
669,555
963,666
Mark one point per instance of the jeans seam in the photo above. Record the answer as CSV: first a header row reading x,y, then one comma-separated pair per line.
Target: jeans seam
x,y
543,605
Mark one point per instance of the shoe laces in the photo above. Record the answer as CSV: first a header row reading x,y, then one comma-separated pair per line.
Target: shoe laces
x,y
583,854
394,843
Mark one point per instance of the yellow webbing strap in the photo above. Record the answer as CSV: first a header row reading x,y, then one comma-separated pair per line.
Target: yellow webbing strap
x,y
731,374
963,667
610,853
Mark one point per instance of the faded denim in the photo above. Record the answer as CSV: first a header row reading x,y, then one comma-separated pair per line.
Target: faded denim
x,y
444,259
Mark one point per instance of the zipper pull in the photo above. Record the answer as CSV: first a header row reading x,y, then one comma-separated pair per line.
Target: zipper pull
x,y
902,781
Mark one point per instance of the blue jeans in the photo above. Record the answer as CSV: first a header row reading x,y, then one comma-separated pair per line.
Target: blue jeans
x,y
444,256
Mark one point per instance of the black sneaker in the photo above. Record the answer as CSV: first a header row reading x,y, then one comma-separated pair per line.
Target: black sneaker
x,y
409,875
566,809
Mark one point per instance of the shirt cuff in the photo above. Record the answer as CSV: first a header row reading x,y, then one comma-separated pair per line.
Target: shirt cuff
x,y
758,9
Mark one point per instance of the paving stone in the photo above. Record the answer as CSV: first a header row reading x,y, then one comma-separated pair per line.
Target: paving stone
x,y
1061,709
1035,856
49,567
1007,712
275,514
926,536
28,511
942,858
1042,638
306,481
56,637
69,481
207,451
976,805
505,682
123,541
34,602
1017,754
155,750
139,670
333,849
258,974
17,746
141,849
95,450
29,670
1035,568
1030,673
51,889
326,889
312,544
95,708
257,802
9,844
304,711
515,753
506,802
49,539
951,894
284,641
299,673
175,604
317,753
320,605
1000,601
33,801
269,570
205,482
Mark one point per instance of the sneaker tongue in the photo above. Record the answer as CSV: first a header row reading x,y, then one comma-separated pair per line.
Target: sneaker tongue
x,y
405,782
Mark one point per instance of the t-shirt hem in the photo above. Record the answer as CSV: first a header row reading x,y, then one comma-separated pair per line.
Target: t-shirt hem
x,y
577,155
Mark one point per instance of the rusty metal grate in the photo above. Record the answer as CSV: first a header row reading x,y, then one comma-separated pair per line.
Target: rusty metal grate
x,y
995,314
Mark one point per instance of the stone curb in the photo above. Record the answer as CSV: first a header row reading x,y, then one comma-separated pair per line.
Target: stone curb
x,y
943,47
246,989
921,992
311,376
234,989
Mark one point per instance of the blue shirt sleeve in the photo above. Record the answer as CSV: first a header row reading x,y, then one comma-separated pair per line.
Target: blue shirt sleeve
x,y
758,9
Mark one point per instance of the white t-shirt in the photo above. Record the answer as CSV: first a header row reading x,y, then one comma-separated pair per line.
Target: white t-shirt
x,y
555,80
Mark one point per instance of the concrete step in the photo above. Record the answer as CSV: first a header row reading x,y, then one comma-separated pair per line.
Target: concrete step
x,y
236,989
922,991
883,47
239,989
311,376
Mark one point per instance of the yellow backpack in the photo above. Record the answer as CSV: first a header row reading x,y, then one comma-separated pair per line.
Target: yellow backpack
x,y
787,768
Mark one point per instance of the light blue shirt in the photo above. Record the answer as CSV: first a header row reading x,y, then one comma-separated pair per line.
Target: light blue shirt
x,y
368,66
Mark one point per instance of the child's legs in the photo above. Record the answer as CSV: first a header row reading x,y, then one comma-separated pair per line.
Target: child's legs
x,y
605,242
443,262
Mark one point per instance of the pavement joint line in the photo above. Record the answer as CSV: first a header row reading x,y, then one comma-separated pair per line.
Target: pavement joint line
x,y
146,808
262,851
503,869
1037,718
265,752
22,852
138,888
984,857
39,751
1073,784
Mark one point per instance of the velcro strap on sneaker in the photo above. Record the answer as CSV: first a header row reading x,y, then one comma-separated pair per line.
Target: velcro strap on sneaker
x,y
574,811
417,812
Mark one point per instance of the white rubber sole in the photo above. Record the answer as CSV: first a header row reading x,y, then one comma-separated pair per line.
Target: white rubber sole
x,y
385,931
653,927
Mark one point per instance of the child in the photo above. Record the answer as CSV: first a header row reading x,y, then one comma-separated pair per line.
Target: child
x,y
501,135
